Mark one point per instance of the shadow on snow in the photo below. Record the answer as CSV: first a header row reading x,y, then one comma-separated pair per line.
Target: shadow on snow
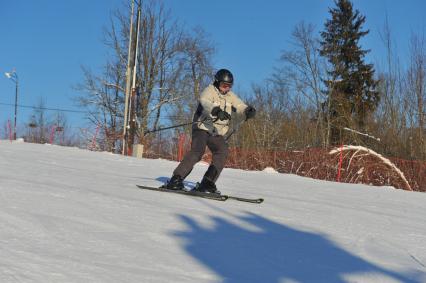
x,y
275,253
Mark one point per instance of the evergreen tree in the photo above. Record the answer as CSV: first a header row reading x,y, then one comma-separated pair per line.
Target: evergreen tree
x,y
351,90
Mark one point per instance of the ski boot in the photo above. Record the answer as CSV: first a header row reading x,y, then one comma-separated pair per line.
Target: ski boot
x,y
175,183
207,186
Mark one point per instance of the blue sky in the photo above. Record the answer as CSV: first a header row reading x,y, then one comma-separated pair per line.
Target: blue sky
x,y
47,41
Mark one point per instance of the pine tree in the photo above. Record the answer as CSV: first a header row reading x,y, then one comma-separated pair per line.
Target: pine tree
x,y
351,90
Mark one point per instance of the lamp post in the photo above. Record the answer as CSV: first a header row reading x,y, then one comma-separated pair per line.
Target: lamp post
x,y
14,77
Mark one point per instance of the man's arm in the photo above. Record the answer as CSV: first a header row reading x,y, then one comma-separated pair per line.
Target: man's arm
x,y
207,101
242,110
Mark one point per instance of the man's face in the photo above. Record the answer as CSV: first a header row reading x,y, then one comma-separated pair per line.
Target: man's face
x,y
224,87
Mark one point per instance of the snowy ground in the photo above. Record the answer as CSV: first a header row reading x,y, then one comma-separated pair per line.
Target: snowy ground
x,y
70,215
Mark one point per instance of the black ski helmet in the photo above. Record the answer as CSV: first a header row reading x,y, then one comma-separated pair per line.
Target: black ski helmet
x,y
224,75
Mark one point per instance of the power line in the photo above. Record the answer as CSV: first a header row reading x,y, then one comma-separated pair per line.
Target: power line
x,y
44,108
173,117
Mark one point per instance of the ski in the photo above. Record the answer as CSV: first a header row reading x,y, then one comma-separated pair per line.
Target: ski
x,y
188,193
203,195
251,200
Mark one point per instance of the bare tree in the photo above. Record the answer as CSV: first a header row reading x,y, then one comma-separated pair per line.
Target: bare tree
x,y
302,72
167,56
196,72
416,86
40,124
390,120
41,128
103,101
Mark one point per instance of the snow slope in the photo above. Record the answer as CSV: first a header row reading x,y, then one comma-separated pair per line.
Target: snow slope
x,y
70,215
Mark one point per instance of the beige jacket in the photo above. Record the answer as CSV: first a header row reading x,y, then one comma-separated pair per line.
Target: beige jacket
x,y
210,98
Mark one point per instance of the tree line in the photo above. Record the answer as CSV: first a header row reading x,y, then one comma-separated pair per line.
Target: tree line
x,y
324,94
321,94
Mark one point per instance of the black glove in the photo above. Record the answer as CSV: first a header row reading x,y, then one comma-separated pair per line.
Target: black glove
x,y
220,114
250,112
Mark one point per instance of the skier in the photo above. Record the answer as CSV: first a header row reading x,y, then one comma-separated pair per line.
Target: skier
x,y
218,113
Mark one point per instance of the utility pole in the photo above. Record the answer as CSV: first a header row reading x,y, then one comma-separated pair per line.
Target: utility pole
x,y
128,83
130,104
14,77
16,108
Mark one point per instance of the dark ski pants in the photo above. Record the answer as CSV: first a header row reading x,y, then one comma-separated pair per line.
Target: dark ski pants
x,y
218,147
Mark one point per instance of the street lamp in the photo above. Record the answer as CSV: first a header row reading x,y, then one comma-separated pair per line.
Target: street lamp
x,y
14,77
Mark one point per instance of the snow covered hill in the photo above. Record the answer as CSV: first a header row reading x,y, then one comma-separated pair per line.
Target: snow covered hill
x,y
70,215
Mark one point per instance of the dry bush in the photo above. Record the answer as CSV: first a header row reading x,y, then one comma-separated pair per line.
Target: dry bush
x,y
358,166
